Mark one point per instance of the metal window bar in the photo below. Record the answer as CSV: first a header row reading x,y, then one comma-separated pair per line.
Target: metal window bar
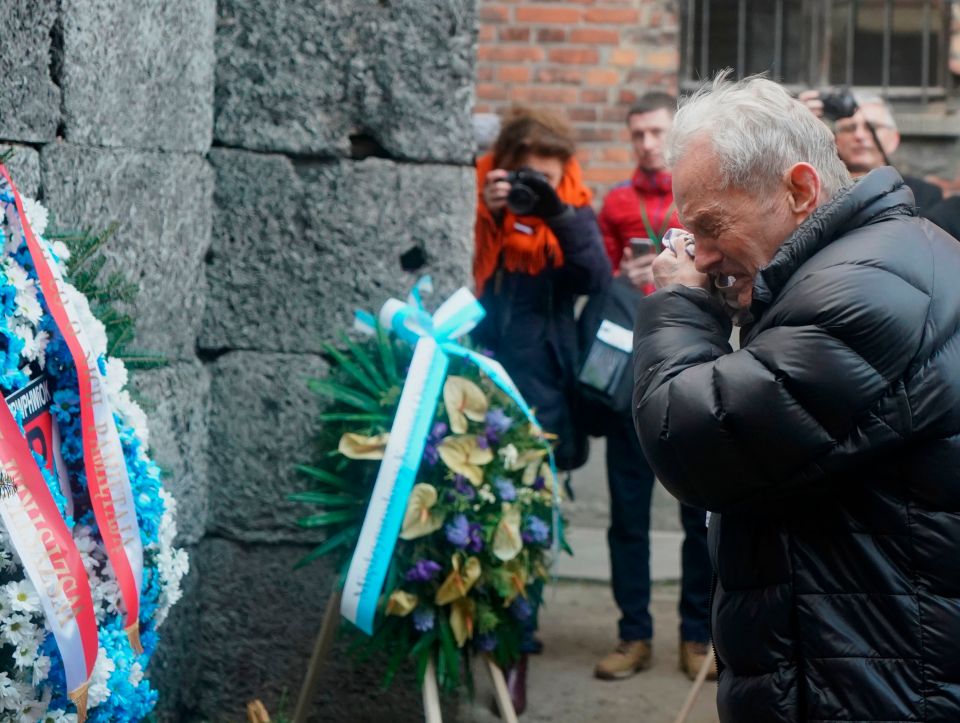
x,y
778,41
887,53
851,33
925,55
690,35
705,40
742,39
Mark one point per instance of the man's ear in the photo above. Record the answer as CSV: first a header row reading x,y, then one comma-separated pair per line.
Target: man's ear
x,y
803,187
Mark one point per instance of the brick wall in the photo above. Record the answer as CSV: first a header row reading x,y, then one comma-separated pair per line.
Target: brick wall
x,y
587,60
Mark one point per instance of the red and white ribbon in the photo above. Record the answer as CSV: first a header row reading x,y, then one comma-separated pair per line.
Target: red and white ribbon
x,y
50,558
111,495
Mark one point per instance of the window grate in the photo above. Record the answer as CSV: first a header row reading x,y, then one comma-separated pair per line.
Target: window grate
x,y
820,43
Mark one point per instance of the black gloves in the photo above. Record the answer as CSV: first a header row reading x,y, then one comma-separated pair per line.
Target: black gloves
x,y
532,195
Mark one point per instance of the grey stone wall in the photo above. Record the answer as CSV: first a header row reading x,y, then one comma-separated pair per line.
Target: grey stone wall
x,y
267,162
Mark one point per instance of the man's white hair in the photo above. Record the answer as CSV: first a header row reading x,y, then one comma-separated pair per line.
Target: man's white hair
x,y
758,131
874,99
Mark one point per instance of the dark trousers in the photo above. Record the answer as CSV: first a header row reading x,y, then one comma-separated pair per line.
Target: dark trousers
x,y
631,489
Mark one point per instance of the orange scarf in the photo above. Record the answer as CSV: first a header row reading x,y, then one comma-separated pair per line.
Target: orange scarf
x,y
520,243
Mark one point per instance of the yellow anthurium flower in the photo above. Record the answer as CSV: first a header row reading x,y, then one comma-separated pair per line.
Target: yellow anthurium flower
x,y
532,464
458,583
463,612
358,446
512,579
401,603
420,519
507,542
463,400
465,456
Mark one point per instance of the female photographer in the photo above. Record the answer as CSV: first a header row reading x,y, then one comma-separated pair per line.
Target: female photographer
x,y
538,248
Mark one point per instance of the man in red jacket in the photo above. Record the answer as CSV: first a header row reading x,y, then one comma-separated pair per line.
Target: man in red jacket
x,y
643,208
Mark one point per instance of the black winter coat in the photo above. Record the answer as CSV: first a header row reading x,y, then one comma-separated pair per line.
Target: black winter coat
x,y
830,444
531,329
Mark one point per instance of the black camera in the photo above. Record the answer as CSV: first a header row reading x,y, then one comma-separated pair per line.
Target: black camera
x,y
838,103
522,198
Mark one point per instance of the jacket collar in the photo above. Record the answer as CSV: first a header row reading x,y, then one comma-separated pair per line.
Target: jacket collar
x,y
659,182
875,196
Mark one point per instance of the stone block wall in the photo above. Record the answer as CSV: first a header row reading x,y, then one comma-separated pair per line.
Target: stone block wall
x,y
587,61
268,161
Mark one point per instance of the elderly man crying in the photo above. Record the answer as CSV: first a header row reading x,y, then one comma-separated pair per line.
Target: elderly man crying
x,y
828,445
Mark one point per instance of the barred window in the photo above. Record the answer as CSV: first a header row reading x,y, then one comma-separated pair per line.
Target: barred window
x,y
900,48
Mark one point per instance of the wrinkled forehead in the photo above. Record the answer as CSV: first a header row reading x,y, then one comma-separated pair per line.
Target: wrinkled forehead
x,y
874,113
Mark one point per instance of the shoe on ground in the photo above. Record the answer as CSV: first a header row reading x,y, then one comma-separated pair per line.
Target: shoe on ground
x,y
630,657
692,655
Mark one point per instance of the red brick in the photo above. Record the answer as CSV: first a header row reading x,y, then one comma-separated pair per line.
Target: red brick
x,y
616,154
610,16
551,15
494,13
603,77
593,95
551,35
560,74
513,34
623,57
484,73
604,174
510,53
487,33
543,94
613,114
627,97
661,59
574,56
491,91
596,134
513,74
582,114
595,36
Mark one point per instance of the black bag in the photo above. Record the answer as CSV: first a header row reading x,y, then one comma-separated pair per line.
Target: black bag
x,y
605,367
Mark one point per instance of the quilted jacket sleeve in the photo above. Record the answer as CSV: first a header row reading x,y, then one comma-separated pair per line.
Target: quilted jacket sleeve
x,y
811,393
586,268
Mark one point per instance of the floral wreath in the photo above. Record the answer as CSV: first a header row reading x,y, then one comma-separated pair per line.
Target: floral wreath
x,y
32,676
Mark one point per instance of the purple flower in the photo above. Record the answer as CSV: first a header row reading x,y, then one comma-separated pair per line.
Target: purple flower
x,y
422,571
521,609
485,642
498,422
536,531
476,538
463,486
539,483
430,453
483,442
458,531
505,488
423,619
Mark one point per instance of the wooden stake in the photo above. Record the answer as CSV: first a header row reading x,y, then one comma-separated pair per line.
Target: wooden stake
x,y
684,713
431,695
501,692
321,648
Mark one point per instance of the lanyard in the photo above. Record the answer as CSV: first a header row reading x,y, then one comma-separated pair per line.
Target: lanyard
x,y
654,236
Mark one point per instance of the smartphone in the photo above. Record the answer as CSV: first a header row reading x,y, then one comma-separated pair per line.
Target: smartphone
x,y
642,247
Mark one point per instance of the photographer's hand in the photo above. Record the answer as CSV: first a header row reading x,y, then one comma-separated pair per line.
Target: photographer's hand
x,y
548,205
638,270
677,267
495,190
811,99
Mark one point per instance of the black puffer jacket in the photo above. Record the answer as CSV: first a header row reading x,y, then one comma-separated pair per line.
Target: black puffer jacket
x,y
830,443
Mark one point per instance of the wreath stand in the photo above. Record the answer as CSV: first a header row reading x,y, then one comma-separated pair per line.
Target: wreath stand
x,y
695,689
431,691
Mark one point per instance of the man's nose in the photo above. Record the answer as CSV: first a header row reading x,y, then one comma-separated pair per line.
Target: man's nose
x,y
706,260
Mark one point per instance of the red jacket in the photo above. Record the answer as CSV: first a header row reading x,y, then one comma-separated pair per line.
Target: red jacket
x,y
620,218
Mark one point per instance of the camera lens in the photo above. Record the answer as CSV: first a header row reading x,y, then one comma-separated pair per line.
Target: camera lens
x,y
521,199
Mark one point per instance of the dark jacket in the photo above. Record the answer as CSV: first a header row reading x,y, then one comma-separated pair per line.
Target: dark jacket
x,y
530,324
926,194
830,443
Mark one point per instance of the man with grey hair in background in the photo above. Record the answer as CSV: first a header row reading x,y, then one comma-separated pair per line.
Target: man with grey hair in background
x,y
827,446
858,146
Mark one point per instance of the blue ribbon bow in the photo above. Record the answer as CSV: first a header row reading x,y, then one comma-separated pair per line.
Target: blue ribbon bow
x,y
434,337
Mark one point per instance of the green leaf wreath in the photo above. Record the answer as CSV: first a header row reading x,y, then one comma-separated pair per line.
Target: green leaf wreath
x,y
474,547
